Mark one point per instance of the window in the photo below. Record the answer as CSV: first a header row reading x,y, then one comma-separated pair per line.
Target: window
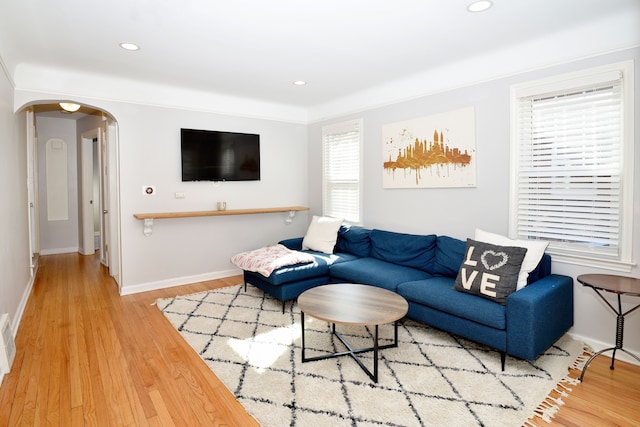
x,y
341,148
571,165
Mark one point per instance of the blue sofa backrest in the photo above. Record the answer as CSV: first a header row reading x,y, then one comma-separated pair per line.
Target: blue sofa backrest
x,y
441,255
354,240
543,269
409,250
449,256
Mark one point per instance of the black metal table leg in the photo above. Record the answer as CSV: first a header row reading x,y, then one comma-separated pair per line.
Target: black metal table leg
x,y
353,352
619,335
375,356
302,324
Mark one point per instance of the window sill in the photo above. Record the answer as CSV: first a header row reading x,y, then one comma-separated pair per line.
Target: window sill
x,y
584,261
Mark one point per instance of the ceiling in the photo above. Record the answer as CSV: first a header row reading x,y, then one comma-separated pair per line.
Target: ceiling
x,y
256,48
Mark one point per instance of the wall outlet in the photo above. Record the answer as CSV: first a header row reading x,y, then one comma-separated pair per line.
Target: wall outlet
x,y
180,195
149,190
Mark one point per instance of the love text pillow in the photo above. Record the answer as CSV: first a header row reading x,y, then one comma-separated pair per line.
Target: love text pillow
x,y
490,271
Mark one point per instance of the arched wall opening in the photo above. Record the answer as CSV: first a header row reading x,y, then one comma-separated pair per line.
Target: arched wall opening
x,y
90,138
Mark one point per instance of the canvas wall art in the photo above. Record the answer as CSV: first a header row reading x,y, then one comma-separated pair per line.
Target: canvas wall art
x,y
431,152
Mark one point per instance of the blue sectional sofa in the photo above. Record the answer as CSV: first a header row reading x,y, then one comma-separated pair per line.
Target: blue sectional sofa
x,y
423,270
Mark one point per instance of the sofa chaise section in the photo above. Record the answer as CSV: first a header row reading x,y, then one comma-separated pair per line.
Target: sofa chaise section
x,y
286,283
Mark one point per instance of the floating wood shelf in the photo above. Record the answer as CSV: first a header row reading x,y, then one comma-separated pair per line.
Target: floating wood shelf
x,y
149,217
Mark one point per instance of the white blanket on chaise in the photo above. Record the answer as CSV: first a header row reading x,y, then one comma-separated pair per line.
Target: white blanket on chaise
x,y
266,260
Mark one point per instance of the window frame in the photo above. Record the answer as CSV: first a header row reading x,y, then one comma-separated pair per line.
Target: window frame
x,y
348,126
565,82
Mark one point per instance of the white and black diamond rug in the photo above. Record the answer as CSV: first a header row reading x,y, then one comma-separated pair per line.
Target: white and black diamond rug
x,y
432,379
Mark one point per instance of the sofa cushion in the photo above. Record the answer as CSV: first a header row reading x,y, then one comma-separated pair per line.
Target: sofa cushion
x,y
438,293
449,255
322,234
535,251
409,250
354,240
372,271
490,271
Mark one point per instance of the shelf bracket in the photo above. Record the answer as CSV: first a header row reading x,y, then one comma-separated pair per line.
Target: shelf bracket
x,y
290,217
148,227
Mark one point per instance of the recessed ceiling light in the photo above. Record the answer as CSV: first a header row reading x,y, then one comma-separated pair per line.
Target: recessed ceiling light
x,y
299,83
479,6
69,106
129,46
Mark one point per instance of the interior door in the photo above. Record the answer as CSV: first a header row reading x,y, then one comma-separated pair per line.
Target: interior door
x,y
103,164
32,189
87,245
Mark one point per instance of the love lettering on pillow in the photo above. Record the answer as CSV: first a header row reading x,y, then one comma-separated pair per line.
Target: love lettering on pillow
x,y
490,271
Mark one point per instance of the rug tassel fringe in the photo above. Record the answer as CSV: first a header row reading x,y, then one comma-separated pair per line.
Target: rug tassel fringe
x,y
580,361
551,405
548,408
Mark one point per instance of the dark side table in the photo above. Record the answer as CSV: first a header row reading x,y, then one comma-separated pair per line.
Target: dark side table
x,y
618,285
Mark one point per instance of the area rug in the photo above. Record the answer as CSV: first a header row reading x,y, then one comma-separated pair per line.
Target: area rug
x,y
432,378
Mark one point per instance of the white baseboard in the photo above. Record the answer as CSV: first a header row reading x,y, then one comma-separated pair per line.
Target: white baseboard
x,y
599,345
17,318
23,303
178,281
56,251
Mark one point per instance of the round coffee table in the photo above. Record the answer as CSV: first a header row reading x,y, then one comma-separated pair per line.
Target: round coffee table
x,y
353,304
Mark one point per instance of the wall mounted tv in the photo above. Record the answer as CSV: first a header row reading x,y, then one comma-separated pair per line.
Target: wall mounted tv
x,y
219,156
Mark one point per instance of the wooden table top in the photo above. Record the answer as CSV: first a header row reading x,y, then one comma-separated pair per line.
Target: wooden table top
x,y
612,283
354,304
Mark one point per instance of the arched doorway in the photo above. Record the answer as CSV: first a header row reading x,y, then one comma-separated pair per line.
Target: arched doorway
x,y
90,136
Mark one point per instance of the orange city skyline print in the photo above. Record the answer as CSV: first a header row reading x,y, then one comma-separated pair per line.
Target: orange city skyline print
x,y
430,152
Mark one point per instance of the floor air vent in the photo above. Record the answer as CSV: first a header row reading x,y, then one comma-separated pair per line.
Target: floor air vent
x,y
7,347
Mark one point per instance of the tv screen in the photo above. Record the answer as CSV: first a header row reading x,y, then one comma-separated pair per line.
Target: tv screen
x,y
219,156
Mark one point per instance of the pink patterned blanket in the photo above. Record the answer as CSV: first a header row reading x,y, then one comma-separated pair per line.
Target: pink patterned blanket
x,y
269,258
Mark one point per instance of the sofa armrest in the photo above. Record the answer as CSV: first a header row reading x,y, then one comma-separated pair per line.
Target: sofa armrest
x,y
295,244
538,315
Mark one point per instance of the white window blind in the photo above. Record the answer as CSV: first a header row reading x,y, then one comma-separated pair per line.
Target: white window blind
x,y
569,165
341,147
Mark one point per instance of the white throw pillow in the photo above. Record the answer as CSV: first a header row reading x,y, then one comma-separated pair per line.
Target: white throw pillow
x,y
535,251
322,234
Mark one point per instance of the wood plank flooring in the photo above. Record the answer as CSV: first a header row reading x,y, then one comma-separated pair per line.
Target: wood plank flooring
x,y
87,356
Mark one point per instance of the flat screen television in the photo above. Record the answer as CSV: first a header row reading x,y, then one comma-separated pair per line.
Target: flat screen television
x,y
219,156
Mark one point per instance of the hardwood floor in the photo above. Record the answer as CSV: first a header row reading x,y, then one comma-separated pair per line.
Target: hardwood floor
x,y
86,356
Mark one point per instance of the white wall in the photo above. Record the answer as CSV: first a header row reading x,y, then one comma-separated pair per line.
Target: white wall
x,y
58,236
459,211
15,259
201,247
184,250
